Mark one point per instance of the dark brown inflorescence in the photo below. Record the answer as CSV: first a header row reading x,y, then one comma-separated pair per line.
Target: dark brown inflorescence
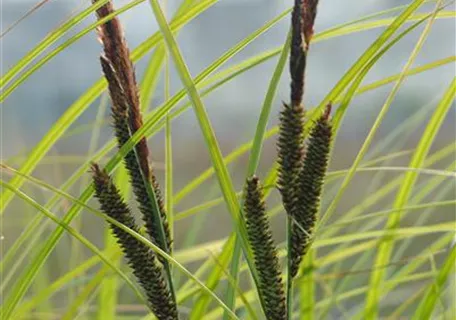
x,y
300,174
298,55
290,146
264,251
302,23
290,143
141,258
119,72
311,180
309,12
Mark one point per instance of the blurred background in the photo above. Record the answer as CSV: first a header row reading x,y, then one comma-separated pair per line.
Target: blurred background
x,y
234,108
54,87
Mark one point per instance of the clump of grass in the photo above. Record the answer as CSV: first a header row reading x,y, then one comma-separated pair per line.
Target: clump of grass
x,y
26,287
141,258
300,180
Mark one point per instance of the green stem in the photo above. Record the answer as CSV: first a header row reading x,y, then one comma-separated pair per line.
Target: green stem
x,y
308,288
289,277
234,272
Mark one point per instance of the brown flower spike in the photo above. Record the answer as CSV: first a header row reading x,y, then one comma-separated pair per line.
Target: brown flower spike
x,y
119,72
300,174
291,154
264,251
311,180
309,12
290,142
141,258
302,23
298,55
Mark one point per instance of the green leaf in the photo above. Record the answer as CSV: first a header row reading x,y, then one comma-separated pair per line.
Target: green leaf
x,y
211,141
385,247
77,108
361,62
426,307
48,41
10,303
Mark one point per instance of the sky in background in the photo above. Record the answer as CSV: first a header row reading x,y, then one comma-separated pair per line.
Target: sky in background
x,y
38,103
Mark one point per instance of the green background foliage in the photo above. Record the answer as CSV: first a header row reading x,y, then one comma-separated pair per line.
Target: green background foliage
x,y
384,244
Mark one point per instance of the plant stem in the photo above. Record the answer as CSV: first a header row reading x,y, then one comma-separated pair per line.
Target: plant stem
x,y
289,276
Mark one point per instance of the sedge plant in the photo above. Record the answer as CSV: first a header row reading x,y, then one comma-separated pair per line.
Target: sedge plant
x,y
335,262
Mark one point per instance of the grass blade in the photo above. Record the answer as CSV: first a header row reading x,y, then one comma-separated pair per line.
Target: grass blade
x,y
211,141
369,53
426,307
8,307
83,102
385,248
76,109
48,41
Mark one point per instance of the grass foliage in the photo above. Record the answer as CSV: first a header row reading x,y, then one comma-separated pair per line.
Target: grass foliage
x,y
380,249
